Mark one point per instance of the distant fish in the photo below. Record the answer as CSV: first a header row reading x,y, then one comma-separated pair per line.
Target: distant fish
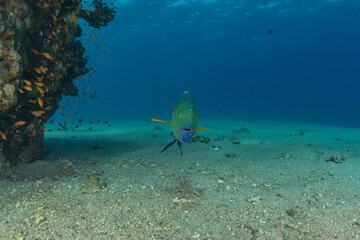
x,y
184,120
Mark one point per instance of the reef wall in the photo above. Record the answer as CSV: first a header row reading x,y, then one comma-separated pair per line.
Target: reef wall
x,y
40,58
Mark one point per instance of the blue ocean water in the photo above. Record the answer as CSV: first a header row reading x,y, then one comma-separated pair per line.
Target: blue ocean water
x,y
273,60
290,60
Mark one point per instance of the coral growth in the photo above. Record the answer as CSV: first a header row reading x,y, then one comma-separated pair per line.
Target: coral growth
x,y
40,58
201,139
337,158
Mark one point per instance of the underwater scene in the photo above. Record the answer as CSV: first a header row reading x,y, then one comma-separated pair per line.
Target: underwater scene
x,y
179,119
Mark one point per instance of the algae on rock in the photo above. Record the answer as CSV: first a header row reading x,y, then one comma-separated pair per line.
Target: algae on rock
x,y
40,58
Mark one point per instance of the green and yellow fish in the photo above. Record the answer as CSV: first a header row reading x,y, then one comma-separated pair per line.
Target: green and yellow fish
x,y
184,120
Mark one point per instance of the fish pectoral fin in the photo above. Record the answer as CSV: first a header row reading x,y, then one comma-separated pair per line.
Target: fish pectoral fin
x,y
180,144
169,145
157,120
201,128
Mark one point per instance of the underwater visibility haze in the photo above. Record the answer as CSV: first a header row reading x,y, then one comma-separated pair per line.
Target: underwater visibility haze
x,y
277,60
93,93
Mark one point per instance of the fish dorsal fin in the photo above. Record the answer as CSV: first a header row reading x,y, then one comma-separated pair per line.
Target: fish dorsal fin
x,y
201,128
157,120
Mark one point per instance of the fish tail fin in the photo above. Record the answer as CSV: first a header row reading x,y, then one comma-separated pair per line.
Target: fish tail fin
x,y
157,120
169,145
202,128
180,144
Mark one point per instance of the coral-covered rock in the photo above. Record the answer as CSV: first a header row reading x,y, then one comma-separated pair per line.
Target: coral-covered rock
x,y
39,60
15,20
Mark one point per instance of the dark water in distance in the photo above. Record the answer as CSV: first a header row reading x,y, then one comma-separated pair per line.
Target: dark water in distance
x,y
289,60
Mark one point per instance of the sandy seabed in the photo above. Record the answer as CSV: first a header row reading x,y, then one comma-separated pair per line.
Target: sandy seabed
x,y
274,181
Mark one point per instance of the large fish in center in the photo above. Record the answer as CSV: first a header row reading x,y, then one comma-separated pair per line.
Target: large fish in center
x,y
184,120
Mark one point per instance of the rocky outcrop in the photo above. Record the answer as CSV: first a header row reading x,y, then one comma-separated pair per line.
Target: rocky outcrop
x,y
40,57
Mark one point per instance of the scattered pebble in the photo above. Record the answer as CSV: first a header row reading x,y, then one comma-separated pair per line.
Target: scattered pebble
x,y
242,130
300,230
286,156
256,199
66,164
337,158
201,139
291,212
234,140
20,236
219,138
158,128
97,147
231,155
215,148
39,219
182,200
94,180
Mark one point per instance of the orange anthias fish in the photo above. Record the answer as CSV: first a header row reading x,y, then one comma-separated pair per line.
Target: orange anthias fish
x,y
36,52
27,82
40,90
19,123
37,113
184,120
40,84
48,56
3,136
27,87
41,104
43,69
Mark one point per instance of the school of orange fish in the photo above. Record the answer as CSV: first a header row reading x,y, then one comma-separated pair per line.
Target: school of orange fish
x,y
37,89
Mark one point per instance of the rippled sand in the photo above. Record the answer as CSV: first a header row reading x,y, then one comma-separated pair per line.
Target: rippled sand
x,y
112,183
